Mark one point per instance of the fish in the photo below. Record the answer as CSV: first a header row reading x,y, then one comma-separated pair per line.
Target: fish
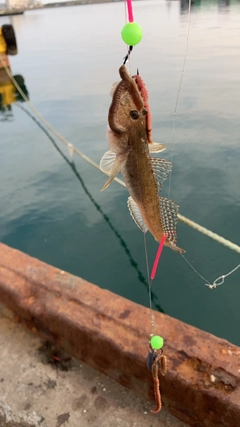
x,y
129,137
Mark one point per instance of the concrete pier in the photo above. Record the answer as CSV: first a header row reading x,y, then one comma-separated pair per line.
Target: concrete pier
x,y
110,333
39,391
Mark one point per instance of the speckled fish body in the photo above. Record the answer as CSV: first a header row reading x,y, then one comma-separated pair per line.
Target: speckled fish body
x,y
130,141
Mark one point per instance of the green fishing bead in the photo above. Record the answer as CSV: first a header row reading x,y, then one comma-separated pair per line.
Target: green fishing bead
x,y
131,33
156,342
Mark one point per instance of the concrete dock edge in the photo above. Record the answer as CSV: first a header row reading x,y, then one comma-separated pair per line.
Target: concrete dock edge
x,y
110,333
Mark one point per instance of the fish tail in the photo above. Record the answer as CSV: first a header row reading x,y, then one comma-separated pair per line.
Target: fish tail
x,y
174,247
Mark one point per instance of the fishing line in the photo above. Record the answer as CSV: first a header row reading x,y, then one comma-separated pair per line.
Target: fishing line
x,y
129,48
174,122
215,283
194,269
154,269
131,35
149,286
129,32
178,91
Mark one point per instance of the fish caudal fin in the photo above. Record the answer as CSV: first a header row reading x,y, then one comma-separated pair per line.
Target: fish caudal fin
x,y
174,247
112,164
169,219
136,215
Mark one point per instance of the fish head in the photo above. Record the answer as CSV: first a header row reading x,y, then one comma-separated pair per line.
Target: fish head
x,y
129,130
127,116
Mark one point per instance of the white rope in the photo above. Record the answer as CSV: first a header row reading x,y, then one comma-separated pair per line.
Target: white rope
x,y
182,218
210,233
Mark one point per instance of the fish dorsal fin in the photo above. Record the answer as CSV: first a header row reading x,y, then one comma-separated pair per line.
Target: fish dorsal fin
x,y
161,169
119,163
155,147
136,215
169,218
107,161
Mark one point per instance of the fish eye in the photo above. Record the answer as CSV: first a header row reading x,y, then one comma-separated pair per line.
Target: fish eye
x,y
134,114
144,112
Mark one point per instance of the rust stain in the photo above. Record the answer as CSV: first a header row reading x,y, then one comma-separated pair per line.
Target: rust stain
x,y
124,314
231,351
211,376
31,300
189,340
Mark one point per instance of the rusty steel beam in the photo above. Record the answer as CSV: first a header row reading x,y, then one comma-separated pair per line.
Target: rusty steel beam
x,y
110,333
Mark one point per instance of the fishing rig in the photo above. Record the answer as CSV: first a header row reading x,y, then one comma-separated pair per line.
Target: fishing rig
x,y
156,360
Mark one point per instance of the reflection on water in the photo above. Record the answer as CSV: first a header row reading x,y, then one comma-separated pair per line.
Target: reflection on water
x,y
184,5
9,94
223,5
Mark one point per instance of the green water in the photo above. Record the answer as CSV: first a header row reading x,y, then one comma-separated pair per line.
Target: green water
x,y
54,211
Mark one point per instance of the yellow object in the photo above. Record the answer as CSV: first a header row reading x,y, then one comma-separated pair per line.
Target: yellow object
x,y
7,89
3,45
8,93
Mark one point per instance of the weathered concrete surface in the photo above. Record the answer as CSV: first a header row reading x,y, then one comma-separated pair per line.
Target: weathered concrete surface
x,y
110,333
70,393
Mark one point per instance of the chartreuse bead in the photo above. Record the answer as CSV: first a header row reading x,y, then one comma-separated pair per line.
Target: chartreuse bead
x,y
131,33
156,342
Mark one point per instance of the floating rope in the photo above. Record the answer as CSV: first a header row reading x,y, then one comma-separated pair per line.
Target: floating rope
x,y
209,233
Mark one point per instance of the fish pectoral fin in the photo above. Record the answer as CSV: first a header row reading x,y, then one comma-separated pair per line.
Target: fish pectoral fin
x,y
155,147
169,220
161,169
136,215
107,161
119,163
